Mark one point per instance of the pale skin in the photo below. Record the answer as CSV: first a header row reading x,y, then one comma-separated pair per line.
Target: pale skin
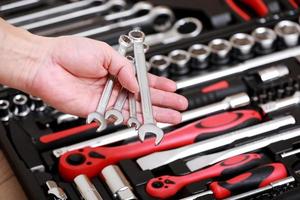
x,y
69,73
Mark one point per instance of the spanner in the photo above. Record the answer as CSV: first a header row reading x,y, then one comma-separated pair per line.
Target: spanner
x,y
98,116
74,15
51,11
193,28
150,18
148,126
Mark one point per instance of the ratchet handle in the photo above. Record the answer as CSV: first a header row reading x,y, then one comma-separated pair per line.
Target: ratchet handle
x,y
256,178
166,186
214,92
91,161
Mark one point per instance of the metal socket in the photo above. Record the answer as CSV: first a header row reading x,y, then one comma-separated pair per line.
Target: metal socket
x,y
37,104
117,183
4,110
21,108
288,32
86,188
220,51
199,56
273,73
179,61
265,39
242,44
159,65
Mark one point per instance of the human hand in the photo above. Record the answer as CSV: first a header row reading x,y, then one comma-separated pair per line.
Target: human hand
x,y
71,74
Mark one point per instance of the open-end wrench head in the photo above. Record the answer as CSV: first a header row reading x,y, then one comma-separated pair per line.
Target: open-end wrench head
x,y
115,115
150,128
133,123
98,118
137,36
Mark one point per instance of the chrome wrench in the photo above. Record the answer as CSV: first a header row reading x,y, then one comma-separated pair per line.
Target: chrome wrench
x,y
98,116
137,7
73,15
240,101
148,125
51,11
150,18
174,34
159,159
17,4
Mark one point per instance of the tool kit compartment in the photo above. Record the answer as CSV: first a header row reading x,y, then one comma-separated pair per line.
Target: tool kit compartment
x,y
236,61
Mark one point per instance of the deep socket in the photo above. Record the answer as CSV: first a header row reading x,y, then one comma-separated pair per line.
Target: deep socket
x,y
265,39
243,45
199,56
37,104
288,33
159,65
220,51
4,110
21,108
179,61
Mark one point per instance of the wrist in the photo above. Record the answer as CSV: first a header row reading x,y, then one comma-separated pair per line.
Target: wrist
x,y
21,54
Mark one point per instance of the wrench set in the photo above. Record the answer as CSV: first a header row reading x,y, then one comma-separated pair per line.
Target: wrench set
x,y
237,63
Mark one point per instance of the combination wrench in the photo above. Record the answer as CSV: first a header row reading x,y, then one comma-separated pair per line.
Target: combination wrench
x,y
159,12
75,15
115,113
98,116
141,6
51,11
184,28
18,4
148,125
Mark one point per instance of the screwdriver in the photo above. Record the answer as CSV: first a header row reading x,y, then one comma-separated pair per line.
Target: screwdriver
x,y
166,186
253,179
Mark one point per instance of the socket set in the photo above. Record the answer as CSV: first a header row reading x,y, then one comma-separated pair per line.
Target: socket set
x,y
238,64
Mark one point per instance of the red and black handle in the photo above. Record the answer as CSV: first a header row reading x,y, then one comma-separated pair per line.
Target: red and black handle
x,y
259,6
256,178
164,187
214,92
90,161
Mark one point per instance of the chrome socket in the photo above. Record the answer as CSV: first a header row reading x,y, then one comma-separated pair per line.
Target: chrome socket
x,y
37,104
288,33
4,110
179,61
243,45
265,39
86,188
159,65
199,56
21,105
220,51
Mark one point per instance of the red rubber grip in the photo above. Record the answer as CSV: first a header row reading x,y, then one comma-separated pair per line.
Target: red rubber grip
x,y
258,5
257,178
90,161
165,187
66,133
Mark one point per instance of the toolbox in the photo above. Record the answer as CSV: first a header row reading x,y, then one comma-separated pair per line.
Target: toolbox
x,y
236,61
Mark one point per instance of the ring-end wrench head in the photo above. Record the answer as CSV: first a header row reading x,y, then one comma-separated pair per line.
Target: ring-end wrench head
x,y
125,41
137,36
115,115
133,123
151,128
98,118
